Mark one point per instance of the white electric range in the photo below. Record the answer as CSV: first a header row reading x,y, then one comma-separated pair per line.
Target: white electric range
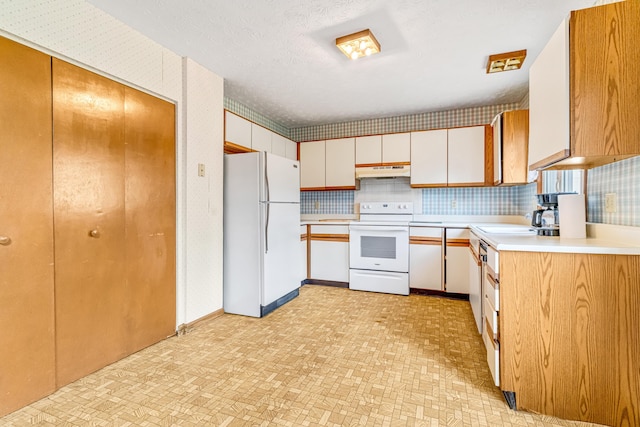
x,y
379,248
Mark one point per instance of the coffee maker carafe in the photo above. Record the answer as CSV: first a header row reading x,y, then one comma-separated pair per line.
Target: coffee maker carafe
x,y
545,219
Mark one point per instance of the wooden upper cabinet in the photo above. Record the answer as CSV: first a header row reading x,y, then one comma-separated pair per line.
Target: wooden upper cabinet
x,y
369,150
466,156
260,138
584,88
237,130
291,151
605,82
510,154
429,158
312,165
340,163
396,148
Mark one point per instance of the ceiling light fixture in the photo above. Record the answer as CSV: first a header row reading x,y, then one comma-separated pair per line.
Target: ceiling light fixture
x,y
506,61
359,44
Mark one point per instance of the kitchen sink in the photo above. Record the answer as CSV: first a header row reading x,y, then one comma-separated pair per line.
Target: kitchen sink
x,y
507,229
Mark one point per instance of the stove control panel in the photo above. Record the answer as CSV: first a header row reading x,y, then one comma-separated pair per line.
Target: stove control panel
x,y
386,207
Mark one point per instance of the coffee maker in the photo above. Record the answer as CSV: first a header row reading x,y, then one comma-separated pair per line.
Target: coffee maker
x,y
545,219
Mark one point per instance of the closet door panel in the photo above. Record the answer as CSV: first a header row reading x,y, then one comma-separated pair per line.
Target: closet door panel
x,y
27,352
150,218
88,171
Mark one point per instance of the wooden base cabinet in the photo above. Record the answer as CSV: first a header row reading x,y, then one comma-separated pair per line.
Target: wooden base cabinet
x,y
570,335
27,340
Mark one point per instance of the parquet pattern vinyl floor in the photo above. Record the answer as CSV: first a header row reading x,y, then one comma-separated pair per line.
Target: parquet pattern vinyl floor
x,y
331,357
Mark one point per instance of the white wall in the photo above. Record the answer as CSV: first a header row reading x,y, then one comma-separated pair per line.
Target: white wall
x,y
78,32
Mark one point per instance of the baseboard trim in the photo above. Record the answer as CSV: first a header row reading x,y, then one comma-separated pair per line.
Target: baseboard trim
x,y
326,283
188,327
442,294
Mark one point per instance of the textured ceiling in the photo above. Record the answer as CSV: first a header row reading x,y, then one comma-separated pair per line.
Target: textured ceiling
x,y
278,57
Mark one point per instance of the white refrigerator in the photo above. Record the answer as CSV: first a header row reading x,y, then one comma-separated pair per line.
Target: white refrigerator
x,y
261,232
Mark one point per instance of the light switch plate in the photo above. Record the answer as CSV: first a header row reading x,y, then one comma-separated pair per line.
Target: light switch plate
x,y
200,169
611,202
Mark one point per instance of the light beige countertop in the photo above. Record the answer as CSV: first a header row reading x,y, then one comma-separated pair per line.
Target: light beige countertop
x,y
601,239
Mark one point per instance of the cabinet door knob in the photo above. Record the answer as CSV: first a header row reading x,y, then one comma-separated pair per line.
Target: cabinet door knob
x,y
94,233
5,240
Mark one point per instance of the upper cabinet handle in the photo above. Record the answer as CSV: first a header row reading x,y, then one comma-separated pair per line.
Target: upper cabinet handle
x,y
5,240
94,233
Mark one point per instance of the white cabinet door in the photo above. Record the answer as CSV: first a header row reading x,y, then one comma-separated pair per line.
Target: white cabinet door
x,y
291,149
237,130
369,150
396,148
425,258
429,157
457,260
549,98
312,160
340,162
465,157
330,259
278,145
260,138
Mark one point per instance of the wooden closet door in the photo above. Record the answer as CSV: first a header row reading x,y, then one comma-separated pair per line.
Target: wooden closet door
x,y
150,218
27,364
88,171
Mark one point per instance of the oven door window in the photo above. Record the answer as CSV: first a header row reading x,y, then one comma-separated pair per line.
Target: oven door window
x,y
378,247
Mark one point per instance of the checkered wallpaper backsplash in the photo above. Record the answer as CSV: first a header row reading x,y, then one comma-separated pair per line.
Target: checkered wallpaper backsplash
x,y
621,178
328,202
478,201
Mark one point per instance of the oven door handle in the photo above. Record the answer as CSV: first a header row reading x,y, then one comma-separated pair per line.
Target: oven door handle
x,y
376,228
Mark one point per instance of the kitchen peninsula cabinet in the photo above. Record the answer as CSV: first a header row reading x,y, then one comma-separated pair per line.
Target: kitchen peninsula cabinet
x,y
451,157
569,325
584,90
329,249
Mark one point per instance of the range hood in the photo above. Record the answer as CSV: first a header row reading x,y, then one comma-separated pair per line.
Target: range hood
x,y
383,171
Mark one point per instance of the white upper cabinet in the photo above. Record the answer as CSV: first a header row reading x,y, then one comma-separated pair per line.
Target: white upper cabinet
x,y
291,149
340,162
279,145
284,147
260,138
396,148
429,158
465,158
312,164
549,100
237,130
369,150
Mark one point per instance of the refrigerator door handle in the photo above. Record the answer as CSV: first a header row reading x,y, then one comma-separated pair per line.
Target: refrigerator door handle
x,y
266,177
266,230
